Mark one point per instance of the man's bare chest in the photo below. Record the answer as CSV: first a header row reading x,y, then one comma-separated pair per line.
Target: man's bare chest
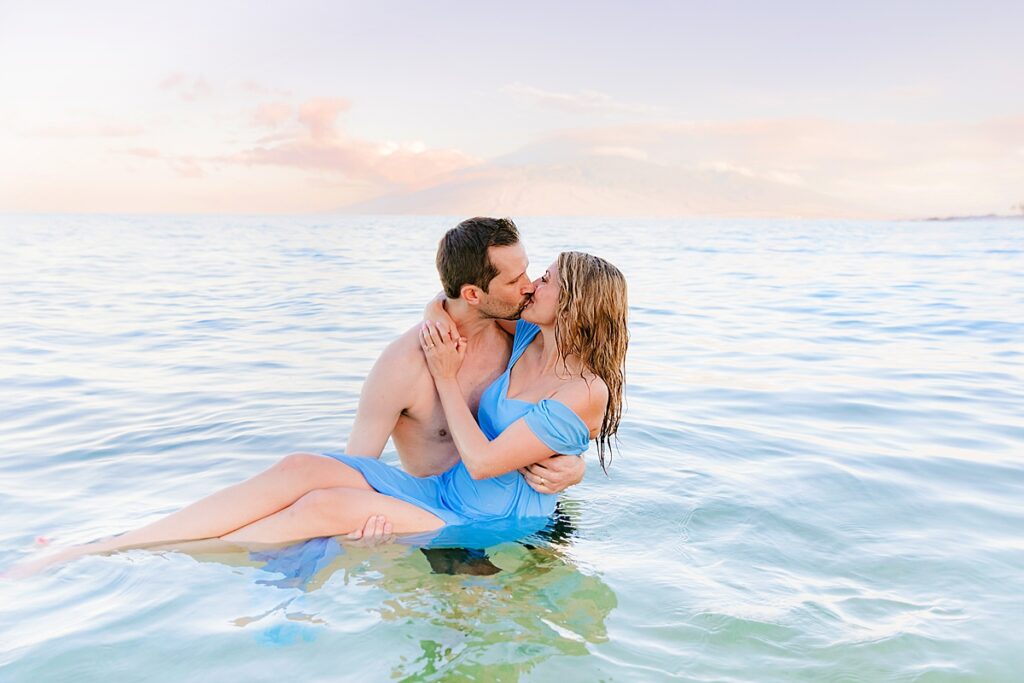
x,y
425,415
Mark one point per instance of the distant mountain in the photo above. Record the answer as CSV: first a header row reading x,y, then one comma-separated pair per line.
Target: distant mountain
x,y
568,182
984,217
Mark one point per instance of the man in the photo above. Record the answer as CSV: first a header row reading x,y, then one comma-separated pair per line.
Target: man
x,y
482,266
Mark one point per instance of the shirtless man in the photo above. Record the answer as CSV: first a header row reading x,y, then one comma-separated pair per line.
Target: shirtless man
x,y
482,265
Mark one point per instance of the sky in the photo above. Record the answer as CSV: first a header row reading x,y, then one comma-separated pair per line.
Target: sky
x,y
898,109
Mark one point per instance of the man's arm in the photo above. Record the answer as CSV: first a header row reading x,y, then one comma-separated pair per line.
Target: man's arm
x,y
555,474
381,403
383,398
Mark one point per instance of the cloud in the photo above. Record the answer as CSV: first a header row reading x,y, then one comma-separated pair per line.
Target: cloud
x,y
774,175
317,143
389,163
272,114
581,101
172,81
320,116
187,166
308,137
143,152
186,87
86,131
621,151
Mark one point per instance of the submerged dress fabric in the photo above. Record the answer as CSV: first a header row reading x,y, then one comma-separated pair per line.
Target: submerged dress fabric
x,y
454,496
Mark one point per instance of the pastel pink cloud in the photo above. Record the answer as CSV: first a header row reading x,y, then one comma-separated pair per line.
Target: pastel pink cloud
x,y
320,115
321,145
144,152
272,114
408,165
183,166
187,88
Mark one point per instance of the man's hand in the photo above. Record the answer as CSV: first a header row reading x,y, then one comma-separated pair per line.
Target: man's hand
x,y
376,531
555,474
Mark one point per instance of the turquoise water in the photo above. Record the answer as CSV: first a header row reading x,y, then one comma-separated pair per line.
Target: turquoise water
x,y
820,475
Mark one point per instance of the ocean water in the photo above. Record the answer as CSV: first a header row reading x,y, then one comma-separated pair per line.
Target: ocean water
x,y
821,474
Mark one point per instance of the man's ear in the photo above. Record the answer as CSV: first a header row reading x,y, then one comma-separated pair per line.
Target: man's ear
x,y
470,294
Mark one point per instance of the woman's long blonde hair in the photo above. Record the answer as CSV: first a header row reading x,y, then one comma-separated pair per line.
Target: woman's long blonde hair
x,y
591,325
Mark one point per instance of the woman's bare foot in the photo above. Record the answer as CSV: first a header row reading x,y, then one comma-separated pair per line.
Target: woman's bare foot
x,y
35,565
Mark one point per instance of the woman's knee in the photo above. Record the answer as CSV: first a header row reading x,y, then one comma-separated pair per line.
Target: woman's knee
x,y
320,471
301,463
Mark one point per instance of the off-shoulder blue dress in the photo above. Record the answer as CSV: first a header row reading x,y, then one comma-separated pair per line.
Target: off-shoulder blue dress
x,y
458,499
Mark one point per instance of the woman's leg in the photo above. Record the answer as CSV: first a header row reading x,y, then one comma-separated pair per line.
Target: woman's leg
x,y
333,511
236,506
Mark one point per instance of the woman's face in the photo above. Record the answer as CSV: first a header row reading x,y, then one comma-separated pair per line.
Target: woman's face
x,y
544,303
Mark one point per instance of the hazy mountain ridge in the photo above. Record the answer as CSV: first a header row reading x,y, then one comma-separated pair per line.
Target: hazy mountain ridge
x,y
566,182
979,217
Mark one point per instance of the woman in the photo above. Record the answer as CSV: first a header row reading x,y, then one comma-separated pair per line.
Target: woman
x,y
563,386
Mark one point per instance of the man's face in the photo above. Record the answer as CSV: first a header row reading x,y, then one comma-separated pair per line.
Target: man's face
x,y
510,290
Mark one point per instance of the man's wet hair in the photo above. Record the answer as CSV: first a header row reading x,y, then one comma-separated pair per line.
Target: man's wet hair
x,y
462,257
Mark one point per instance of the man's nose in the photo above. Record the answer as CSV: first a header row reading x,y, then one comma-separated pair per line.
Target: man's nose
x,y
529,288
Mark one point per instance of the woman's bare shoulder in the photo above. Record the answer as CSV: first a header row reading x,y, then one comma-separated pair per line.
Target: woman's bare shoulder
x,y
588,398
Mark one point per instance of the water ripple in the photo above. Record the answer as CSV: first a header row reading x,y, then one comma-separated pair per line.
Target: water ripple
x,y
819,475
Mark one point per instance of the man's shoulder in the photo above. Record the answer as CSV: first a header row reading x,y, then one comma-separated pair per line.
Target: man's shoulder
x,y
400,371
401,357
405,348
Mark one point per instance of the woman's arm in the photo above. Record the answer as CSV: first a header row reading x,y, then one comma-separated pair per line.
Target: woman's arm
x,y
436,313
517,446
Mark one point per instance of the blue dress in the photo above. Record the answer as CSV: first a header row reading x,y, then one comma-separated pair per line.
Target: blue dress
x,y
455,497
